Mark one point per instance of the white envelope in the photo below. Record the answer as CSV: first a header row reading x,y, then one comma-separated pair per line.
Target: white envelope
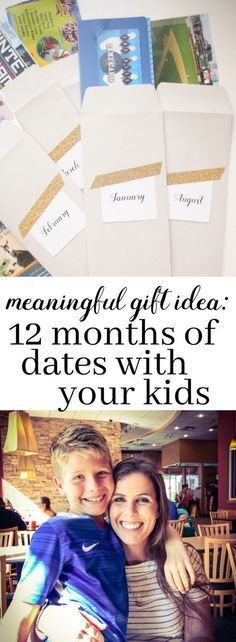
x,y
43,213
198,127
66,73
125,188
47,114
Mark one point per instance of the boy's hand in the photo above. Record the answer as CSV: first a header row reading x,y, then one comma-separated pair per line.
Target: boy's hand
x,y
178,568
65,622
91,631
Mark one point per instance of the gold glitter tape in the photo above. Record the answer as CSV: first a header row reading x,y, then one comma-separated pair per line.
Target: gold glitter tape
x,y
125,175
195,176
66,144
40,205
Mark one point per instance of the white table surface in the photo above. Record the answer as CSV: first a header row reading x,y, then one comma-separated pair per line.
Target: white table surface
x,y
14,553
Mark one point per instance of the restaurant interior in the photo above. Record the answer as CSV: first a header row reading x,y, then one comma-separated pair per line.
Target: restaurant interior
x,y
193,449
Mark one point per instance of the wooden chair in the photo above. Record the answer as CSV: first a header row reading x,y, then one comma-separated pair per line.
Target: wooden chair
x,y
219,573
8,536
213,529
213,516
223,516
219,516
178,524
24,537
231,548
3,586
222,513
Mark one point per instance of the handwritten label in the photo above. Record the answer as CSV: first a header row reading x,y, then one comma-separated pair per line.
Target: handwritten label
x,y
190,201
59,223
71,165
131,201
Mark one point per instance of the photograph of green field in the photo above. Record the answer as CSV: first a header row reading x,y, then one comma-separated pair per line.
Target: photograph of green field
x,y
182,51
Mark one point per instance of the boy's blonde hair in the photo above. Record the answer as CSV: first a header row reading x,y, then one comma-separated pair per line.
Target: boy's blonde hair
x,y
80,438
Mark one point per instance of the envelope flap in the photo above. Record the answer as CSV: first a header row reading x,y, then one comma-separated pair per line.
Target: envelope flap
x,y
128,140
180,97
49,125
26,87
119,100
10,136
29,185
65,71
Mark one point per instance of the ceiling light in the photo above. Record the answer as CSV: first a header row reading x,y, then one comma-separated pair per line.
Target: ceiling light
x,y
27,468
232,445
20,438
211,429
200,415
185,435
176,427
153,445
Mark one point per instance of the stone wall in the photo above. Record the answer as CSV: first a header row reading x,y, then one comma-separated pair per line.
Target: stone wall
x,y
45,430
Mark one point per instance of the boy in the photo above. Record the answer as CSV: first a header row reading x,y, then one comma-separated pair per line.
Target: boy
x,y
75,558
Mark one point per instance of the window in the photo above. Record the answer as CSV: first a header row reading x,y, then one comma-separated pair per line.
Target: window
x,y
173,485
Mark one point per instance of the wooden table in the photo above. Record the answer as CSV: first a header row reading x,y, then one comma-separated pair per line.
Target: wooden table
x,y
199,540
14,554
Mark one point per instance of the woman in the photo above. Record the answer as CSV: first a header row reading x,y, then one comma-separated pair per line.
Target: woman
x,y
139,516
45,506
185,497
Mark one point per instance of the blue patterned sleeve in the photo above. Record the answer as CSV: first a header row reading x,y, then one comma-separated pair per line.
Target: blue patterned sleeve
x,y
43,565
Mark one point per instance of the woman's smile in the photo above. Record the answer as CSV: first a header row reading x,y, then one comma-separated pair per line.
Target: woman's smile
x,y
131,526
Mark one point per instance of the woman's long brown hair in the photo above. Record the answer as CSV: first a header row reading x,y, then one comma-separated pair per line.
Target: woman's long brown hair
x,y
155,547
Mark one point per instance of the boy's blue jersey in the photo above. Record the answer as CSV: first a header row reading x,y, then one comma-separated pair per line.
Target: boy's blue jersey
x,y
88,562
